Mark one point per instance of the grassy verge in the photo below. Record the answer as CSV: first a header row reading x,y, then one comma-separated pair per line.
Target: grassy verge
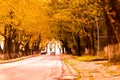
x,y
89,58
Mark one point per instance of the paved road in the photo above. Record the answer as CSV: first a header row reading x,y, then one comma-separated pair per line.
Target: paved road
x,y
43,67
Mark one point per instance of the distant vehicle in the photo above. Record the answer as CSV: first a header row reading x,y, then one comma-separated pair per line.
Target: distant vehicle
x,y
43,51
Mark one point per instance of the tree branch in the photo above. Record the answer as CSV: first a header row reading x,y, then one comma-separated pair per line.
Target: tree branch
x,y
2,34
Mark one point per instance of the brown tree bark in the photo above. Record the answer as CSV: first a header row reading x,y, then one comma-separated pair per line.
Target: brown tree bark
x,y
112,18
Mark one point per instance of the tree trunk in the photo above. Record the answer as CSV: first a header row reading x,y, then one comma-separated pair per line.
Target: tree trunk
x,y
76,45
78,49
88,45
112,17
7,45
65,45
92,49
38,42
27,49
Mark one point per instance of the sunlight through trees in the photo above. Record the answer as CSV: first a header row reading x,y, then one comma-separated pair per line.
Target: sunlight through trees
x,y
25,24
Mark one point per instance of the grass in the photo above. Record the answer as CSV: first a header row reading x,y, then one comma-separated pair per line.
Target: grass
x,y
112,72
88,58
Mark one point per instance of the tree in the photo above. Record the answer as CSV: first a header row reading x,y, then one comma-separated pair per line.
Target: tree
x,y
76,18
112,16
22,21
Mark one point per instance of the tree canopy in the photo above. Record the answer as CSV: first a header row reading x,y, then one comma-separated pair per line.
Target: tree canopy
x,y
78,24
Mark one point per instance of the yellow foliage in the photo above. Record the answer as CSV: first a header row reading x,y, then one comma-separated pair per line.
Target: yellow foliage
x,y
28,15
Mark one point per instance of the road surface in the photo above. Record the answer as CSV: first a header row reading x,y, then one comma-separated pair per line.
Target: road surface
x,y
43,67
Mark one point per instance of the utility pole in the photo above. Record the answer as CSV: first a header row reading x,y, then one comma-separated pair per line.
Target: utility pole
x,y
98,36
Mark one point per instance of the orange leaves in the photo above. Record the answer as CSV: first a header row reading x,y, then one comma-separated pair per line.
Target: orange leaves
x,y
29,15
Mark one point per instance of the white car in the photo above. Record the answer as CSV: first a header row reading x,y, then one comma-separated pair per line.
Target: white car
x,y
43,52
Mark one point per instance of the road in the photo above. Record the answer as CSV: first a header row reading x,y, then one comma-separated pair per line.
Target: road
x,y
43,67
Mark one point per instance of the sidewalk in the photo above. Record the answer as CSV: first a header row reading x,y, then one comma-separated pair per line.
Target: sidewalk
x,y
94,70
17,59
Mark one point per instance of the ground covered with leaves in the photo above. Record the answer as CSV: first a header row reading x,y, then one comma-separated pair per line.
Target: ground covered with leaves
x,y
91,69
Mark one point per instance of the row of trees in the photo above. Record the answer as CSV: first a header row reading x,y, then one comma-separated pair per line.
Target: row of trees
x,y
75,24
78,24
112,20
22,24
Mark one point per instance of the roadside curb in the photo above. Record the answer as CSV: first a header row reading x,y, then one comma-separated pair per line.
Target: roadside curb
x,y
68,72
17,59
73,71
